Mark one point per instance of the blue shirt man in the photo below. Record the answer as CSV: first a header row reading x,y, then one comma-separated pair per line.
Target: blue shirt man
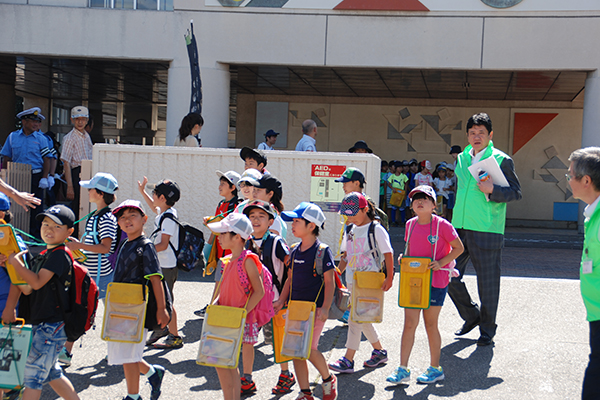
x,y
308,141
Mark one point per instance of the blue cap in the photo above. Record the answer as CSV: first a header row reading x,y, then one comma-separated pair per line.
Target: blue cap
x,y
4,202
309,211
103,182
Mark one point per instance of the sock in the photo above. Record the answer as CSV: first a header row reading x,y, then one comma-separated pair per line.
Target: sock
x,y
150,372
328,379
248,377
306,391
405,367
134,396
286,373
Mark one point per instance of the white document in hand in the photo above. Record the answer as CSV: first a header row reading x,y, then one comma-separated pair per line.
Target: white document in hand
x,y
489,165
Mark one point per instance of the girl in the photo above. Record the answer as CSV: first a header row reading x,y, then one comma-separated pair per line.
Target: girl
x,y
234,231
269,189
423,233
191,125
248,180
357,256
98,240
424,177
442,185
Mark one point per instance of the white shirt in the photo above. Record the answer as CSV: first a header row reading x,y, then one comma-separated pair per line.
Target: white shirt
x,y
307,143
476,158
441,186
588,211
264,146
166,258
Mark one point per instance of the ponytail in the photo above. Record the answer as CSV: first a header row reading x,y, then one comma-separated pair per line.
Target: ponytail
x,y
371,213
252,246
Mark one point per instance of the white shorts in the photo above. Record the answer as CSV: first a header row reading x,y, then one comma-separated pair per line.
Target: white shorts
x,y
126,353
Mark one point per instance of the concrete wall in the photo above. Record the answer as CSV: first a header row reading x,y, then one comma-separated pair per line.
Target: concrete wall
x,y
194,171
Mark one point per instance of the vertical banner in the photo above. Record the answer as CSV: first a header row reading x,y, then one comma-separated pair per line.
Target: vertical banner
x,y
192,48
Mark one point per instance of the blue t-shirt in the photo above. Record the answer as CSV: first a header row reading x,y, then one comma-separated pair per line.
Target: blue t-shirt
x,y
306,284
137,260
27,149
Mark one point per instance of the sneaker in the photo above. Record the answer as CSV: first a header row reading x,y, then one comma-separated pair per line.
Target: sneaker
x,y
284,384
432,375
330,389
171,342
14,394
343,365
248,387
64,357
401,375
202,312
304,396
378,357
156,335
345,317
155,381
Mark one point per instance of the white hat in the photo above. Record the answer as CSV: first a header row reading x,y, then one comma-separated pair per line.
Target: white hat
x,y
309,211
32,113
234,222
252,176
232,176
80,111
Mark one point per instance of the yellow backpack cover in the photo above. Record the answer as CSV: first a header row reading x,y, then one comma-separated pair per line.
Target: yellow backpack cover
x,y
124,312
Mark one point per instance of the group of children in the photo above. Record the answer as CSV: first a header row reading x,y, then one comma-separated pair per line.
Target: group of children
x,y
250,238
398,178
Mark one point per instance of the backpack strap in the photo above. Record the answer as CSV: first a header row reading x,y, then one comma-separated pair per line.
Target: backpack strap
x,y
96,236
172,217
375,252
268,247
320,258
242,274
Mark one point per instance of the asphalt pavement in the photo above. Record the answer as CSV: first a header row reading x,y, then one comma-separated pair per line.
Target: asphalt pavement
x,y
540,351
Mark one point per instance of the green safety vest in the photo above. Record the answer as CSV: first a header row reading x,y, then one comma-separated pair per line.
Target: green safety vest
x,y
472,210
590,283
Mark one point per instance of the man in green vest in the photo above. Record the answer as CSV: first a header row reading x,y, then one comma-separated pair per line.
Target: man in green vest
x,y
479,218
584,179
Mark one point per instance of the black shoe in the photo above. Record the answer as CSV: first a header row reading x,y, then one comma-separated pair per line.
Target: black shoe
x,y
484,340
201,313
467,327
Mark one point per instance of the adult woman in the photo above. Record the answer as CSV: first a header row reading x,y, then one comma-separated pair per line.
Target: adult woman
x,y
191,125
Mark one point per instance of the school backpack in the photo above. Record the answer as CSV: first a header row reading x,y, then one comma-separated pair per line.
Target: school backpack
x,y
341,295
374,249
381,215
263,312
190,243
83,299
268,247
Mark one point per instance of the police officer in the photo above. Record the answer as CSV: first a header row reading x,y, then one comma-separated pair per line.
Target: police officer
x,y
29,146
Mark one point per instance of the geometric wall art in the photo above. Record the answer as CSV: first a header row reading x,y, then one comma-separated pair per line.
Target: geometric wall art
x,y
553,171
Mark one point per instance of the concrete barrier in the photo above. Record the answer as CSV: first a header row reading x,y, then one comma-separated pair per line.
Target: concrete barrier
x,y
194,171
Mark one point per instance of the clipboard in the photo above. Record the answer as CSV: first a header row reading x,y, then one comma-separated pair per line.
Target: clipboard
x,y
489,165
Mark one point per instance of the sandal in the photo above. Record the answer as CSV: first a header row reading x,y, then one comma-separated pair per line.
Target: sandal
x,y
284,384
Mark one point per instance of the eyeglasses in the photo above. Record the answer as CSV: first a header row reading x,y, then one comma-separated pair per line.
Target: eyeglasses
x,y
569,177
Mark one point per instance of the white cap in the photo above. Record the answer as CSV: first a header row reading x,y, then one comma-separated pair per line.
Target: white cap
x,y
31,113
252,176
80,111
232,176
234,222
309,211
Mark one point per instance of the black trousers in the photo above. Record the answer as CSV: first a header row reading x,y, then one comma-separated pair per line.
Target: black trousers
x,y
34,225
74,205
591,380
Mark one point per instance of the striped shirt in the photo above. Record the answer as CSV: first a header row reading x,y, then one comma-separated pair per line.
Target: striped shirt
x,y
76,146
107,228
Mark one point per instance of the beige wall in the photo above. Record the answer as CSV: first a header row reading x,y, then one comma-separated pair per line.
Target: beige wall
x,y
369,121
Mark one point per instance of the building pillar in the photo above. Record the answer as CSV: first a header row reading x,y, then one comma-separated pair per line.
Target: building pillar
x,y
590,134
215,103
8,98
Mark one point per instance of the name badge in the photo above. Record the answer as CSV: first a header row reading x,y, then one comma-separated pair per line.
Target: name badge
x,y
586,266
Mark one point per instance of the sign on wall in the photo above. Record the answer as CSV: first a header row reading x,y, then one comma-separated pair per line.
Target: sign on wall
x,y
324,190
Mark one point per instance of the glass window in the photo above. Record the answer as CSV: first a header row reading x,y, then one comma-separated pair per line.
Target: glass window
x,y
146,4
126,4
100,3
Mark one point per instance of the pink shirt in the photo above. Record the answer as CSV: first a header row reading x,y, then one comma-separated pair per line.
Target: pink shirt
x,y
232,291
423,179
420,244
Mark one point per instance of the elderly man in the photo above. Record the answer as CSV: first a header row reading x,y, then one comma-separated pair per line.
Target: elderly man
x,y
479,218
309,137
77,146
29,146
584,179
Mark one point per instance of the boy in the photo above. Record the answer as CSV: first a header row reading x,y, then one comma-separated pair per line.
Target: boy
x,y
397,183
131,219
49,273
307,220
383,176
275,255
164,196
254,159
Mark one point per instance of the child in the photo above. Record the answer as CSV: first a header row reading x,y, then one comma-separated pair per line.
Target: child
x,y
96,244
384,174
275,255
47,318
413,170
255,159
248,181
451,190
228,184
164,196
420,233
234,231
397,183
424,177
357,256
131,218
441,185
307,220
269,189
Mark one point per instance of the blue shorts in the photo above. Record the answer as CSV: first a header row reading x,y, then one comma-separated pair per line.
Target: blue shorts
x,y
103,284
42,363
437,296
451,200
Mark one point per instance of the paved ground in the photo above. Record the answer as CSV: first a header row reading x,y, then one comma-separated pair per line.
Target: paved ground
x,y
540,352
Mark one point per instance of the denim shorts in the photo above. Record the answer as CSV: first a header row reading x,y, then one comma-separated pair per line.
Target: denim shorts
x,y
103,284
437,296
42,363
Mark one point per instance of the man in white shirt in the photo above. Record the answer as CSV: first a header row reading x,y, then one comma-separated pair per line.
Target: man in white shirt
x,y
309,139
270,139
